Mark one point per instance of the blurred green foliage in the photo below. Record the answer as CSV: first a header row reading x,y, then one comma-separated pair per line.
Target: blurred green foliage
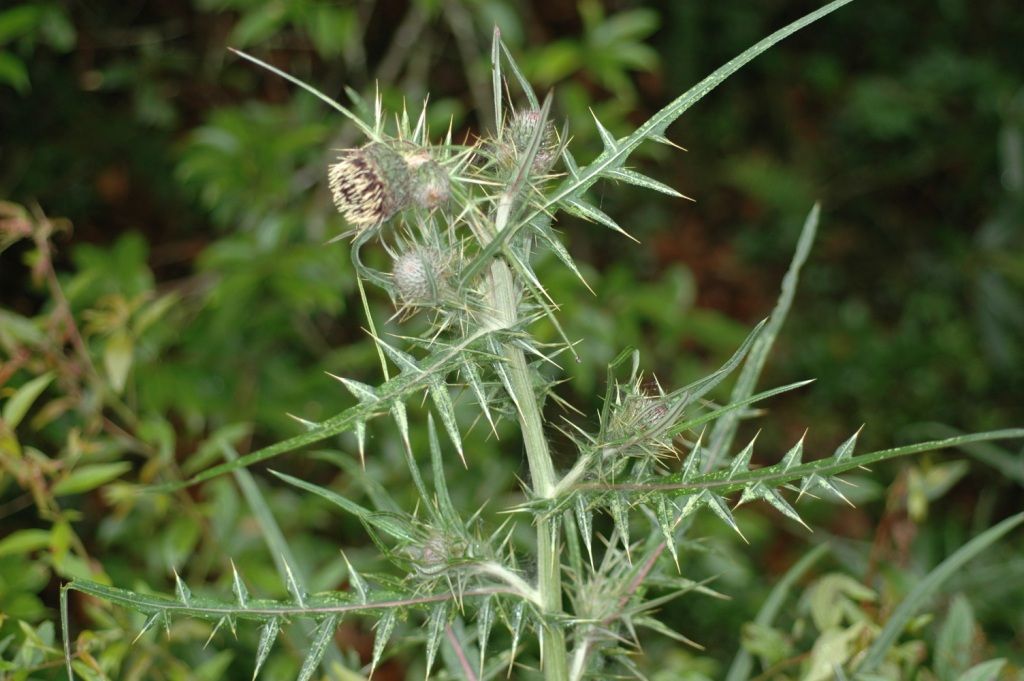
x,y
193,303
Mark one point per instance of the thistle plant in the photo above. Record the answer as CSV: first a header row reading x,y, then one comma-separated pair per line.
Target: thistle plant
x,y
462,224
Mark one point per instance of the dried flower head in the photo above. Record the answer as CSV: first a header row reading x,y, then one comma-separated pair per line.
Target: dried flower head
x,y
370,184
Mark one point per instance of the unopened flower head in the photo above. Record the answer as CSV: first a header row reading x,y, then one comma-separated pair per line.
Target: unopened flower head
x,y
431,185
521,131
370,184
419,275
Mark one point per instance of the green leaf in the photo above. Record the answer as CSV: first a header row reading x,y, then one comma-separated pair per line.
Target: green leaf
x,y
585,521
955,640
118,353
435,630
446,410
238,587
18,21
385,626
259,23
590,212
268,634
986,671
925,588
322,639
85,478
13,72
24,541
19,403
484,623
743,663
725,428
634,178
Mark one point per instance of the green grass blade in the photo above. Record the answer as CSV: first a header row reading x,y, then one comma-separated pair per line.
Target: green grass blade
x,y
724,432
928,586
367,130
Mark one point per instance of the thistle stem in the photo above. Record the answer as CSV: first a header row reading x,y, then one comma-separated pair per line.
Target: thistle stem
x,y
504,296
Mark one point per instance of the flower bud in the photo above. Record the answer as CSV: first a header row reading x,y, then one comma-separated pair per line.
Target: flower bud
x,y
419,275
431,186
521,130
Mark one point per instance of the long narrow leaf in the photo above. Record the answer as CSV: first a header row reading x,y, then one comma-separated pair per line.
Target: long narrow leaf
x,y
927,587
724,432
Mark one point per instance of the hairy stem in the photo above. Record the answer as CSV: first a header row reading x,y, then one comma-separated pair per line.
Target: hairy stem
x,y
504,295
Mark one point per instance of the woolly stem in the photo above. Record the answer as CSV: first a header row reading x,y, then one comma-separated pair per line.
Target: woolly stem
x,y
504,296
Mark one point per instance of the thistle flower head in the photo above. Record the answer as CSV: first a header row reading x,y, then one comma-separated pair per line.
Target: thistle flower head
x,y
522,129
370,184
431,185
437,553
419,276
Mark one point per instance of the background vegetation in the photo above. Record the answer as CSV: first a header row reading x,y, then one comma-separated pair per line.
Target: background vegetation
x,y
187,299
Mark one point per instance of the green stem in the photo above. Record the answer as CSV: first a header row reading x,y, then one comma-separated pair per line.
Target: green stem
x,y
504,296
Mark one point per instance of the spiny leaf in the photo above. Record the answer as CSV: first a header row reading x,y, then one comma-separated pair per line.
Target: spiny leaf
x,y
312,90
220,623
402,421
742,460
695,460
356,579
721,509
360,428
794,456
181,589
761,491
845,450
435,630
293,586
821,482
621,519
403,360
446,410
588,211
150,621
438,362
322,638
362,392
607,139
585,521
562,253
385,626
268,634
524,83
238,587
484,622
666,521
472,376
637,179
516,628
654,129
496,82
444,499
